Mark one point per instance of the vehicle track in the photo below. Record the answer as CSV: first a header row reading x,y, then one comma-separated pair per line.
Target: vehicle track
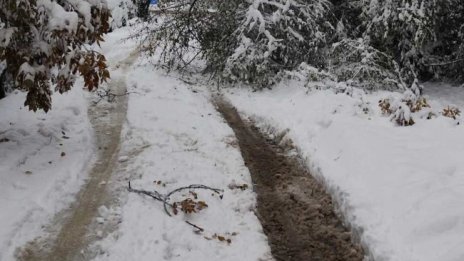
x,y
296,212
69,230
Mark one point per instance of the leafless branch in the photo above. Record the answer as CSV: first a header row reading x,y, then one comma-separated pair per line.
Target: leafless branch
x,y
165,198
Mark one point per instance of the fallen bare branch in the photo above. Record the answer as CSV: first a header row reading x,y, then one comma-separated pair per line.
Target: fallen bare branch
x,y
199,229
165,198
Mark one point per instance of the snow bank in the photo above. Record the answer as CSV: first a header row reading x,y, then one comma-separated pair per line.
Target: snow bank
x,y
43,159
402,187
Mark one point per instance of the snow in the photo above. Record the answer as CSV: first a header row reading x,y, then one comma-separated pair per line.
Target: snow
x,y
5,36
60,19
36,181
84,9
401,188
175,137
121,11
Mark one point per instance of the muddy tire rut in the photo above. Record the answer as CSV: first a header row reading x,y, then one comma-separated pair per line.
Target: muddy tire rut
x,y
297,214
68,235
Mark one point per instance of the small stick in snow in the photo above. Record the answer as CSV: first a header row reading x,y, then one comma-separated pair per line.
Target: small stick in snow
x,y
199,229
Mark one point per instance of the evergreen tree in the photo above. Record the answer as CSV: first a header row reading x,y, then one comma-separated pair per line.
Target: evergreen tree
x,y
248,41
373,44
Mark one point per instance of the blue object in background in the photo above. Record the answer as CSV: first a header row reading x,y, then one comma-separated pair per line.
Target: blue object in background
x,y
154,2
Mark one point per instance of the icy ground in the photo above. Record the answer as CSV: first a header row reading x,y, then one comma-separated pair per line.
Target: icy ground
x,y
401,188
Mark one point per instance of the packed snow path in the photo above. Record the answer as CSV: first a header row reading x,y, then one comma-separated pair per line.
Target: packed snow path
x,y
107,119
296,213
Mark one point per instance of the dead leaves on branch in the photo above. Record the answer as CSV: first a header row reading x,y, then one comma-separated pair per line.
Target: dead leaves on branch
x,y
94,70
418,105
385,107
227,238
401,111
451,112
189,205
414,106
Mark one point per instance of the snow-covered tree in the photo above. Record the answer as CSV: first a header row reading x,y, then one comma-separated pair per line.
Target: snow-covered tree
x,y
42,42
373,44
421,37
276,35
364,66
248,41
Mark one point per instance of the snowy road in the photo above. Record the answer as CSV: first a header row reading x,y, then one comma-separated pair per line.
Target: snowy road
x,y
107,119
174,137
399,188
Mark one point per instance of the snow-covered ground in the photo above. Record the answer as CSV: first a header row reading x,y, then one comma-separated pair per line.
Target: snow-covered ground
x,y
43,162
174,136
44,159
402,188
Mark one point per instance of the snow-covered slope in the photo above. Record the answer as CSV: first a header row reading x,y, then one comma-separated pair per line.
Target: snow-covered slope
x,y
402,187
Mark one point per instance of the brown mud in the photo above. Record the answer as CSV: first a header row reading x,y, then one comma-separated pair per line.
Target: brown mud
x,y
296,212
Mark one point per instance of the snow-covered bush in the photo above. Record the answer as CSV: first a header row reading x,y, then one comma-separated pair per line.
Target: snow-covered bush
x,y
311,76
451,112
401,110
364,66
41,43
121,12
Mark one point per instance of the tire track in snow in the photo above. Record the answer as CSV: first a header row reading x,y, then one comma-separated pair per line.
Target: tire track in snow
x,y
296,212
71,225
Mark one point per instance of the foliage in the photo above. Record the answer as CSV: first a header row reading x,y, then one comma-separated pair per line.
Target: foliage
x,y
43,42
276,35
451,112
364,66
246,41
371,44
424,37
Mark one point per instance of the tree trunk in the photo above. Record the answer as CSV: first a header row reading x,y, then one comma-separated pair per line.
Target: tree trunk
x,y
143,9
3,84
7,83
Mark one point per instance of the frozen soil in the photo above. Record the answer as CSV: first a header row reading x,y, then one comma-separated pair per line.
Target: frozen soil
x,y
68,233
297,214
